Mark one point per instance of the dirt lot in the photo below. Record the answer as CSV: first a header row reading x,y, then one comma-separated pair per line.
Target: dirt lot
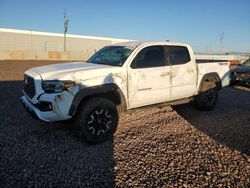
x,y
169,146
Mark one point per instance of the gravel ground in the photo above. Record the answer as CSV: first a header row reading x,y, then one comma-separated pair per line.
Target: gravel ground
x,y
167,146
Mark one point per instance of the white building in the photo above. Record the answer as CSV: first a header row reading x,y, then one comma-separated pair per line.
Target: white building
x,y
23,44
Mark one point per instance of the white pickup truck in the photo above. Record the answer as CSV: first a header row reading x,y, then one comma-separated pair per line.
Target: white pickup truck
x,y
121,77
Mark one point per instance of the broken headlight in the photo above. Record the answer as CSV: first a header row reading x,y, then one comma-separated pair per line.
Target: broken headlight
x,y
56,86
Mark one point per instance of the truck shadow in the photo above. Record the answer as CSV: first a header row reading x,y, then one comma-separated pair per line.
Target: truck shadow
x,y
36,153
228,123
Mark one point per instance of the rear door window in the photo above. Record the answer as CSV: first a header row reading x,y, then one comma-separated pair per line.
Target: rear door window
x,y
178,55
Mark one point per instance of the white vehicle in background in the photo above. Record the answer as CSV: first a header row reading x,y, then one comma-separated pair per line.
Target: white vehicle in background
x,y
121,77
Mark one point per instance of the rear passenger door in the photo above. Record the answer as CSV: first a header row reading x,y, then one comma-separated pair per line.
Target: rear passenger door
x,y
149,77
183,72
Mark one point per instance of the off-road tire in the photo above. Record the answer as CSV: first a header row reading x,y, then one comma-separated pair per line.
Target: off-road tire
x,y
206,100
96,120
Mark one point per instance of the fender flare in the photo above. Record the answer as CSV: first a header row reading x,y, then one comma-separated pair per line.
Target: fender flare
x,y
102,90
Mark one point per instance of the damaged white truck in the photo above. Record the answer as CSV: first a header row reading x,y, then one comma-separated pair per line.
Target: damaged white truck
x,y
118,78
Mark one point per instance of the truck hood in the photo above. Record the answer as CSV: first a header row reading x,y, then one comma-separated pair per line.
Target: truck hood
x,y
65,71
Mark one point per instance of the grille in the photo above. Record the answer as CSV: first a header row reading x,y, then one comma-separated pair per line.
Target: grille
x,y
29,86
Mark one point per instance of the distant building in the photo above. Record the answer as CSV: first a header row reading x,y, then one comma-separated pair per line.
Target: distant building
x,y
23,44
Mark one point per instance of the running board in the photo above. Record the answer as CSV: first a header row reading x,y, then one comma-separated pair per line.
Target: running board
x,y
169,103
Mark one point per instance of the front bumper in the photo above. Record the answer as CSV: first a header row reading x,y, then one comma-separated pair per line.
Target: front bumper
x,y
48,107
56,114
28,106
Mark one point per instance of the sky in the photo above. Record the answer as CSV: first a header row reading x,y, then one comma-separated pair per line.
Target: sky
x,y
196,22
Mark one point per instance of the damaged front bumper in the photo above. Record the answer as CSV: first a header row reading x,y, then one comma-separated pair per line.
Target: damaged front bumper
x,y
50,107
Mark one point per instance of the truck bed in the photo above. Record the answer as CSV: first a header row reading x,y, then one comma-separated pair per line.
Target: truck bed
x,y
220,66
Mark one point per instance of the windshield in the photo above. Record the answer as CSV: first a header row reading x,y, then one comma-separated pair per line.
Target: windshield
x,y
111,55
246,63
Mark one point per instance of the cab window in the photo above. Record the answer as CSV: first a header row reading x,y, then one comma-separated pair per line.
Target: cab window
x,y
148,57
178,55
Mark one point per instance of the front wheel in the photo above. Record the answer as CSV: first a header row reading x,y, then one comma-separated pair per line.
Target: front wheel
x,y
206,100
97,120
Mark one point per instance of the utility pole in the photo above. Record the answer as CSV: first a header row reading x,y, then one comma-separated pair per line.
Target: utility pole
x,y
66,22
221,42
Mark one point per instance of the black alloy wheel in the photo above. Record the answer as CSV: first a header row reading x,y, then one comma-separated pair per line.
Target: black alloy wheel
x,y
99,121
210,97
96,120
206,100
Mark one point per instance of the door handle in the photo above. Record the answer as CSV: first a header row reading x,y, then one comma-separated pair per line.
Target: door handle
x,y
165,74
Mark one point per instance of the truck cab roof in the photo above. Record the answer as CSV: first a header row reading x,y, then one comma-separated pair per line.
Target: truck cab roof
x,y
134,44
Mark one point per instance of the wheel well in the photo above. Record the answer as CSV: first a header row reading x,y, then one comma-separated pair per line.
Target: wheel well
x,y
210,81
114,95
111,95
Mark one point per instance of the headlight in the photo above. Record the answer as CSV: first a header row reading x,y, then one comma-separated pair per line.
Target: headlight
x,y
56,86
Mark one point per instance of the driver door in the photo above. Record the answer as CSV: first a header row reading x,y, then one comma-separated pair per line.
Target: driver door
x,y
149,77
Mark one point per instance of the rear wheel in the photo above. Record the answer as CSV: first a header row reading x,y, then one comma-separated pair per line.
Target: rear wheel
x,y
206,100
97,120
